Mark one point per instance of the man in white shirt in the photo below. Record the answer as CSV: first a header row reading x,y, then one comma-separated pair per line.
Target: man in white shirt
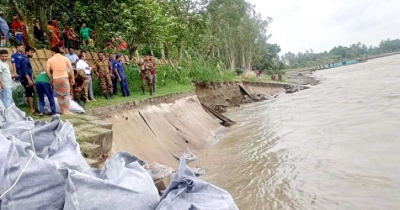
x,y
5,79
82,64
72,57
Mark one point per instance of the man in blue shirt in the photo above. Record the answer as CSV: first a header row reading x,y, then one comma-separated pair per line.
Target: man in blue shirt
x,y
16,59
118,69
5,29
26,76
71,55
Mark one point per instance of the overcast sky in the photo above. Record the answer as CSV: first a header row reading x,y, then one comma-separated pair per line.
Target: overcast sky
x,y
322,24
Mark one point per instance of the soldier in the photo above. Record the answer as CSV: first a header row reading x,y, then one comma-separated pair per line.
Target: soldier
x,y
79,88
120,74
145,74
103,71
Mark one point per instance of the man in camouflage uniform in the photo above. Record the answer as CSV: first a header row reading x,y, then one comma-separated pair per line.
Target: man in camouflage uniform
x,y
80,92
145,74
103,70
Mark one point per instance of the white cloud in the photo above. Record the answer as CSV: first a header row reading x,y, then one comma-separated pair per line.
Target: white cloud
x,y
322,24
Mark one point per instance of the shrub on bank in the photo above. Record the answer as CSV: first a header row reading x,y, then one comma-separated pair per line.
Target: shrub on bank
x,y
167,75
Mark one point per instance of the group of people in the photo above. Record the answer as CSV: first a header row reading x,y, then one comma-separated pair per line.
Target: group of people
x,y
69,76
56,36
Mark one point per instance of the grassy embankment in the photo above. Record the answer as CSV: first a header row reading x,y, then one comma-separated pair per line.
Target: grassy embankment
x,y
169,80
264,77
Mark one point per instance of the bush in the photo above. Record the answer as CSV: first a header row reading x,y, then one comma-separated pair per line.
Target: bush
x,y
168,76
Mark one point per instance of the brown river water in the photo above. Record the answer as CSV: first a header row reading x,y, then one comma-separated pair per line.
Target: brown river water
x,y
334,146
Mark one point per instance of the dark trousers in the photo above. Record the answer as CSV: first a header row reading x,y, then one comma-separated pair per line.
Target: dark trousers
x,y
44,89
124,85
115,81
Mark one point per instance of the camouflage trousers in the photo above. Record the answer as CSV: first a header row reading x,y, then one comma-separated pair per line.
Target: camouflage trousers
x,y
146,78
106,83
80,95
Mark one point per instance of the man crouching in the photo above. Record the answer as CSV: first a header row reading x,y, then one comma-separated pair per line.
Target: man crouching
x,y
79,88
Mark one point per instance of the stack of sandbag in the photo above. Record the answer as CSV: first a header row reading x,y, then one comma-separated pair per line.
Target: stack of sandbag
x,y
41,167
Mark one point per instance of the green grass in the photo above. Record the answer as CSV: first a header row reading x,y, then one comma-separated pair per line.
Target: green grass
x,y
265,78
137,95
169,80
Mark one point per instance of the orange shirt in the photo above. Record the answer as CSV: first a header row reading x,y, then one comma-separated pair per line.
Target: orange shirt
x,y
59,65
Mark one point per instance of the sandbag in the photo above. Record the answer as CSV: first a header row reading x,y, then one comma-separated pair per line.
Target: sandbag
x,y
3,114
58,177
122,184
158,171
16,121
186,192
73,107
41,185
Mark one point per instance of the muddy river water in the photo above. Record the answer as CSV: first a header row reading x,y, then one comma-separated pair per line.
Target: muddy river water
x,y
334,146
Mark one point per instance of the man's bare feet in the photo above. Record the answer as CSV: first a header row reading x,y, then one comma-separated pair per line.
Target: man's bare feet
x,y
69,113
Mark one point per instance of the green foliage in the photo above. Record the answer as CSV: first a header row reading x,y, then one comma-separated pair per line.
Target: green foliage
x,y
339,53
225,31
167,76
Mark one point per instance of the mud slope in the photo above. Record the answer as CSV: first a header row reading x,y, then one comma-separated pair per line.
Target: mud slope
x,y
263,88
162,133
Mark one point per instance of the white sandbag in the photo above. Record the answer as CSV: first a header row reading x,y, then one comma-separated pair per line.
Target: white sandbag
x,y
186,191
158,171
41,185
122,184
73,107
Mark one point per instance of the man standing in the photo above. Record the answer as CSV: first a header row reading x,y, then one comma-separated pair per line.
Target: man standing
x,y
145,74
153,74
59,78
5,79
85,34
79,89
16,59
119,71
114,77
26,76
83,65
43,88
103,71
71,55
4,29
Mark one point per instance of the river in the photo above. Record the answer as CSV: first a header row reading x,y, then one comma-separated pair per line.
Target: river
x,y
334,146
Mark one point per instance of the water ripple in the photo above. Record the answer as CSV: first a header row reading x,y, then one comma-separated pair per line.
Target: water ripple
x,y
333,146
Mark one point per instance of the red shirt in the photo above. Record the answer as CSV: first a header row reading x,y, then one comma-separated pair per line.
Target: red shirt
x,y
17,26
153,71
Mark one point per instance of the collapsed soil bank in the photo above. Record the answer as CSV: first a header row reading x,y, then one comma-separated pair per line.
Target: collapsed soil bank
x,y
164,132
221,96
162,129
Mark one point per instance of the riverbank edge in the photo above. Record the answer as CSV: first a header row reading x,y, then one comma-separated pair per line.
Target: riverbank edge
x,y
95,134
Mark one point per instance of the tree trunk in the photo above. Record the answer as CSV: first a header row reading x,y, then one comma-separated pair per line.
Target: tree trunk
x,y
25,20
162,52
209,51
250,57
243,57
180,50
